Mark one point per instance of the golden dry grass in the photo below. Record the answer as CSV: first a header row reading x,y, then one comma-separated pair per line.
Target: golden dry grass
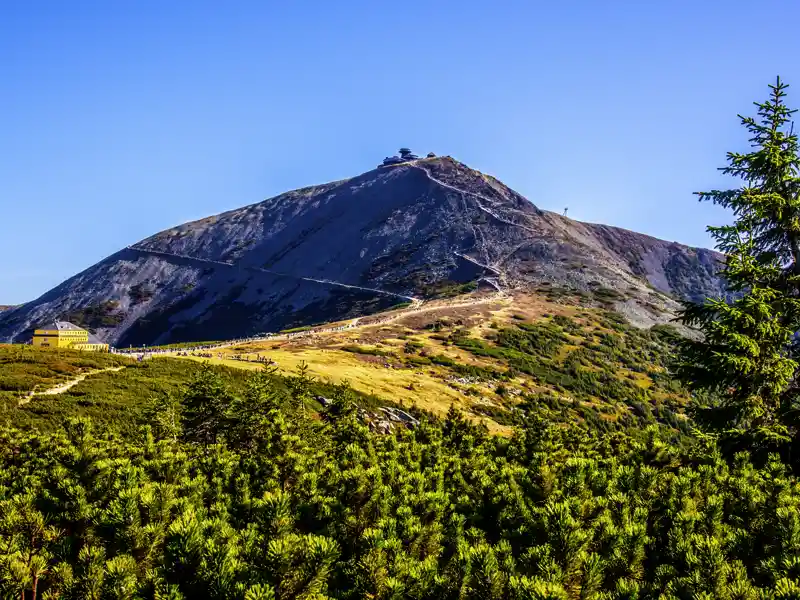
x,y
424,387
430,387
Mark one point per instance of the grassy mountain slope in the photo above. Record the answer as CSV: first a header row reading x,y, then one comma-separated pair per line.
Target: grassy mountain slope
x,y
493,356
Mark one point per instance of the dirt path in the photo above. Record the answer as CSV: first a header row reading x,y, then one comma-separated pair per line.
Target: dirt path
x,y
499,296
63,387
414,309
271,272
410,311
477,197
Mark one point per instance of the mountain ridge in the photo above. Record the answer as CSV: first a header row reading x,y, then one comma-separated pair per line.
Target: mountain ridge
x,y
358,245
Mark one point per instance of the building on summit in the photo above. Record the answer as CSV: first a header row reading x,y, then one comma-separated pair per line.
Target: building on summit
x,y
62,334
405,156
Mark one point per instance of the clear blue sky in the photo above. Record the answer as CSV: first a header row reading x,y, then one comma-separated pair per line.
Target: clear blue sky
x,y
119,119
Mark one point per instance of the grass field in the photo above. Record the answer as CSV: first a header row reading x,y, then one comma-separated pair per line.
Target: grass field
x,y
424,388
117,400
24,368
575,363
113,399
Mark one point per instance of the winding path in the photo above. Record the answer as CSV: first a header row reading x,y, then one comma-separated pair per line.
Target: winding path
x,y
271,272
63,387
353,323
476,196
494,270
496,267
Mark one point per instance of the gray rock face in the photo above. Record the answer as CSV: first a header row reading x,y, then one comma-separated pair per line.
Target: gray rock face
x,y
353,247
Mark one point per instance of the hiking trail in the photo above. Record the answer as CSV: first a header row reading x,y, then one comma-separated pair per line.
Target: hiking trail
x,y
63,387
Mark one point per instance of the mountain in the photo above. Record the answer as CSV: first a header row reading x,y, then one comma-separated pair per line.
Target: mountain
x,y
398,233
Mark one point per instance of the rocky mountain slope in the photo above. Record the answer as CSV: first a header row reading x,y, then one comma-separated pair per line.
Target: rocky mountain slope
x,y
395,234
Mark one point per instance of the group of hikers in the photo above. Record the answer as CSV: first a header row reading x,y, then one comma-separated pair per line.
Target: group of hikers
x,y
199,350
250,358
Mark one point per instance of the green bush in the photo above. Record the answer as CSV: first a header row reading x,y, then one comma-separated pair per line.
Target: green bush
x,y
284,506
355,349
412,347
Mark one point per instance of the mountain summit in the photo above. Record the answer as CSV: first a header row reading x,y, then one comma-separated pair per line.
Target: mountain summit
x,y
399,233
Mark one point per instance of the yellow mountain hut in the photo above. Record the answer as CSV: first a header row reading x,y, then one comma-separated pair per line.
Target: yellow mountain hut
x,y
62,334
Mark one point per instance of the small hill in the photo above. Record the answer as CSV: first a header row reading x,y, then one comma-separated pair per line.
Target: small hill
x,y
400,233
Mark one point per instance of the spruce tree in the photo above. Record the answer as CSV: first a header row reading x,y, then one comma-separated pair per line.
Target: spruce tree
x,y
251,416
164,416
206,403
745,359
300,386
